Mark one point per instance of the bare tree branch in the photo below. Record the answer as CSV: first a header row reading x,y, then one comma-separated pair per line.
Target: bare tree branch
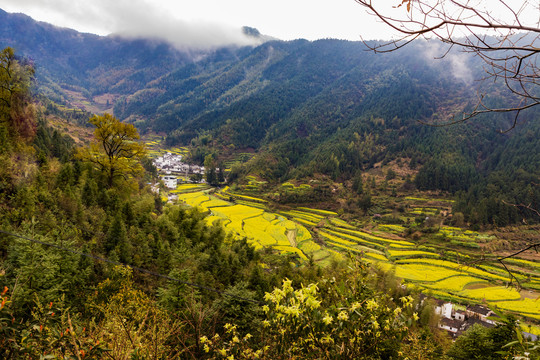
x,y
507,42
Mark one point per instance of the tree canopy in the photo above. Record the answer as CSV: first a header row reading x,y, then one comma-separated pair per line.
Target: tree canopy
x,y
114,151
15,80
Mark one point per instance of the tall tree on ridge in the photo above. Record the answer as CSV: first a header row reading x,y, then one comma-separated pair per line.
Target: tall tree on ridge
x,y
115,151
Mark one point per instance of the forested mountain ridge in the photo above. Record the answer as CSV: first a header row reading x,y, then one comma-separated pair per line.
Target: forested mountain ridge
x,y
306,107
72,65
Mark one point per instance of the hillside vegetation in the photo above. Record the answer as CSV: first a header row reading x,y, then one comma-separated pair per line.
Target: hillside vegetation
x,y
334,205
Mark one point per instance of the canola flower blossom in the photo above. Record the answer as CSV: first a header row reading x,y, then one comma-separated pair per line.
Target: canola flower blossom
x,y
298,322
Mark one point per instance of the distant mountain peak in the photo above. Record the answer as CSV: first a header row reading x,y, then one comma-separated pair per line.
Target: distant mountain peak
x,y
250,31
256,34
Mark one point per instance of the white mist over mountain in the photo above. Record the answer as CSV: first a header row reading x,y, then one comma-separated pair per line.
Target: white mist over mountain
x,y
207,23
134,19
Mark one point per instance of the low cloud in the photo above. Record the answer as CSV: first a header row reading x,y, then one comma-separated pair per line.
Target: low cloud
x,y
458,61
134,19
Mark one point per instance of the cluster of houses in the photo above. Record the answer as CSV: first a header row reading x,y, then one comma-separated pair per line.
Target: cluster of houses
x,y
457,321
170,166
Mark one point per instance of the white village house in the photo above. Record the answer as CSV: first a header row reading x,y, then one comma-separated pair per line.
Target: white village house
x,y
170,181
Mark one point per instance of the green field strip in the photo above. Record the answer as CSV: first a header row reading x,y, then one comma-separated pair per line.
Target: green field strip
x,y
307,215
394,229
309,246
302,234
304,222
502,272
252,204
269,216
212,203
359,249
357,246
533,286
412,198
422,212
278,232
364,239
341,223
302,215
289,249
347,237
296,216
320,255
524,263
444,295
246,197
190,195
410,253
221,196
344,247
370,237
318,211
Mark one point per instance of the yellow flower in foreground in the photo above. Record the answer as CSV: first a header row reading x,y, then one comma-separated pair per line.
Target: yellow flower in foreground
x,y
206,348
343,316
327,319
355,306
287,286
312,303
223,352
371,304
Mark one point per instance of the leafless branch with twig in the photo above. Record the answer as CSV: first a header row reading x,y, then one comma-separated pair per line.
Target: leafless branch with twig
x,y
506,39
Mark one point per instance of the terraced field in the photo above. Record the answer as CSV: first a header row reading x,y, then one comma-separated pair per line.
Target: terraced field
x,y
155,147
259,227
185,188
320,234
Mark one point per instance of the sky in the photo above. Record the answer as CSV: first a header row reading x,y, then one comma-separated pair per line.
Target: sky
x,y
210,23
207,21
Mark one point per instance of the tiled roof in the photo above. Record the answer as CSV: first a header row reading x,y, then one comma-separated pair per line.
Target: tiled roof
x,y
456,324
478,309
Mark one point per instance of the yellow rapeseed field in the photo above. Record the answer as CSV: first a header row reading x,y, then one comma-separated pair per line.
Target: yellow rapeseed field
x,y
455,283
491,293
407,253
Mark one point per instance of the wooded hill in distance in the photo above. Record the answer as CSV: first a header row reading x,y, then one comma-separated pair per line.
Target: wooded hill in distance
x,y
324,107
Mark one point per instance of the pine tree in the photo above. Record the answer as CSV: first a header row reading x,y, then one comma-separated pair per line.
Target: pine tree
x,y
116,234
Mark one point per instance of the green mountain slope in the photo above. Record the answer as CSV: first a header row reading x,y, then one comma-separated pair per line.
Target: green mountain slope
x,y
323,107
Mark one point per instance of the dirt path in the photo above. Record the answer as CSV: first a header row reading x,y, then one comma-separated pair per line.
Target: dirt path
x,y
291,235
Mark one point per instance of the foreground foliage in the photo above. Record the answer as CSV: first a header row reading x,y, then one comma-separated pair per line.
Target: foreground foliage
x,y
342,319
